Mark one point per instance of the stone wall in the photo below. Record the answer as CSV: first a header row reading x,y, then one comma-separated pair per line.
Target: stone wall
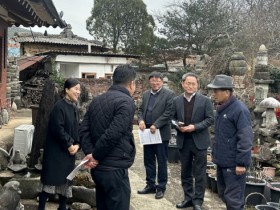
x,y
99,86
33,48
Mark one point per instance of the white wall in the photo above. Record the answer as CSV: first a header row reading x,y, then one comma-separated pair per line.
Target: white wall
x,y
75,65
69,70
90,59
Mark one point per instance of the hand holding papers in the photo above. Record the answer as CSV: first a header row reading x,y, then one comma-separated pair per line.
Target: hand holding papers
x,y
76,170
146,137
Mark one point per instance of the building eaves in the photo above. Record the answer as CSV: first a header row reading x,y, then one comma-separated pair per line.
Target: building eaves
x,y
106,54
30,13
26,62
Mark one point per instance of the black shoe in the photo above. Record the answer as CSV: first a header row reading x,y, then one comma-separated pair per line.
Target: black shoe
x,y
197,207
147,190
184,204
159,194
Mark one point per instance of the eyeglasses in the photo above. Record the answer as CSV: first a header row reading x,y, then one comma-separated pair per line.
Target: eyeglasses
x,y
190,84
155,81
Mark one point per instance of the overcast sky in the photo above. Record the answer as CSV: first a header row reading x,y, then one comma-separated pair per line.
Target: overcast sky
x,y
77,11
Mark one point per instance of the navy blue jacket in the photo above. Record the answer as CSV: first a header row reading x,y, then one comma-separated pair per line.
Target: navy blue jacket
x,y
233,135
106,130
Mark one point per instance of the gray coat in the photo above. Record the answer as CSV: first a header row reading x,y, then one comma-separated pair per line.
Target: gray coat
x,y
202,118
162,111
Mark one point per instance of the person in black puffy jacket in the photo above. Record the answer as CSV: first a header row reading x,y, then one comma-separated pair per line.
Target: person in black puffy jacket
x,y
107,140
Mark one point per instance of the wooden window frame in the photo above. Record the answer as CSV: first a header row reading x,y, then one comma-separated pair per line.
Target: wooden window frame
x,y
88,75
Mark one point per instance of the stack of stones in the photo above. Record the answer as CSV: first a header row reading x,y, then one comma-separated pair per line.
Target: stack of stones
x,y
261,68
238,68
261,75
13,84
262,81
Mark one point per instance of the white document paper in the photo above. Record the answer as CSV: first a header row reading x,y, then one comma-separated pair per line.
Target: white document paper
x,y
174,123
146,137
76,170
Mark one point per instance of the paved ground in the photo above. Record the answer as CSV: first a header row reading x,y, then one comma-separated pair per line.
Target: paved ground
x,y
173,193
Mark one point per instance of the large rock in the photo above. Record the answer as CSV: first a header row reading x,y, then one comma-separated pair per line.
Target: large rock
x,y
29,186
83,195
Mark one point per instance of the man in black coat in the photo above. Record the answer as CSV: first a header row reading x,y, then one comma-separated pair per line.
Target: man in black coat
x,y
155,112
195,113
108,143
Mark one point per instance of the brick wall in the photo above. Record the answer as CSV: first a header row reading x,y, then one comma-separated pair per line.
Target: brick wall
x,y
99,86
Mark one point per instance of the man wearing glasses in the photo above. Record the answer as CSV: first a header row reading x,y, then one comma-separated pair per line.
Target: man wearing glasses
x,y
155,112
193,113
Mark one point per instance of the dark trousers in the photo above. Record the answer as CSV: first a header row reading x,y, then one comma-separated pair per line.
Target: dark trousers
x,y
156,153
193,165
231,188
112,189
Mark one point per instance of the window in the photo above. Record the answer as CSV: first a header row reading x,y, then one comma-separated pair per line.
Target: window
x,y
89,75
108,76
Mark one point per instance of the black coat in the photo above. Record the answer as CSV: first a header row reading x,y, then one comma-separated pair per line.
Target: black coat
x,y
162,111
202,118
106,130
62,133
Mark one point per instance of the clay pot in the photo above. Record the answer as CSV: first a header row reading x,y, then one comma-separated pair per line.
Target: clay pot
x,y
256,149
269,171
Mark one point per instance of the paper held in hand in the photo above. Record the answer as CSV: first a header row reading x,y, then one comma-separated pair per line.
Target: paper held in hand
x,y
76,170
146,137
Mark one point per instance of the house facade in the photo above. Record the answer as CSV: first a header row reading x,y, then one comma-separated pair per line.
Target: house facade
x,y
26,13
73,56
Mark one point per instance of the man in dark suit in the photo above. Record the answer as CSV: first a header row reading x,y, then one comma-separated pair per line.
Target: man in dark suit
x,y
193,113
155,112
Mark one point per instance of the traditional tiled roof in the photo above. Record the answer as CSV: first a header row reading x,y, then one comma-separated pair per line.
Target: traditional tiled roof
x,y
66,37
107,54
30,13
57,39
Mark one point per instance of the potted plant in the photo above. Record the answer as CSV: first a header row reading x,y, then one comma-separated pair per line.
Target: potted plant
x,y
255,185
